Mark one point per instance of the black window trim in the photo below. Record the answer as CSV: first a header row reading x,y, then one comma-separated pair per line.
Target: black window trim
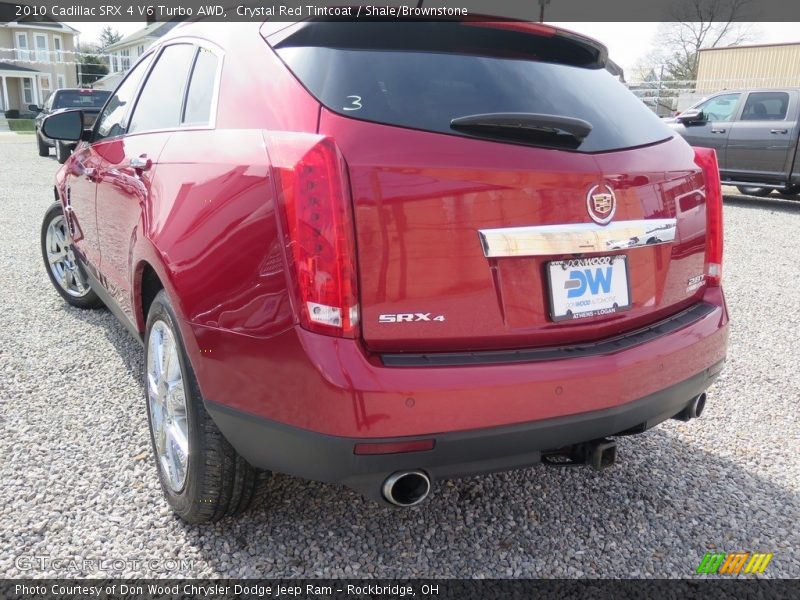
x,y
737,110
159,52
776,91
96,126
212,114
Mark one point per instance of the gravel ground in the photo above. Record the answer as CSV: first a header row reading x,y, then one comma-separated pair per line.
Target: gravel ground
x,y
78,481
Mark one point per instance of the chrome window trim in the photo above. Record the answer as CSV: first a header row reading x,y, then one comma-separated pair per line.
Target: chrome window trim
x,y
576,238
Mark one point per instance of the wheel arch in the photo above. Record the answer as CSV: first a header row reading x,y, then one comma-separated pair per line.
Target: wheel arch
x,y
148,284
150,275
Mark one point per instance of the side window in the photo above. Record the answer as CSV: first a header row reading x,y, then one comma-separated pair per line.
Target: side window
x,y
159,105
720,108
201,89
113,120
766,106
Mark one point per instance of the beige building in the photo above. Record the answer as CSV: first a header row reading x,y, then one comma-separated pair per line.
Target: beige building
x,y
757,66
35,59
123,54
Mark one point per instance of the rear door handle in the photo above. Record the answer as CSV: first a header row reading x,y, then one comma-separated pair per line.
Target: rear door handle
x,y
141,163
717,131
779,131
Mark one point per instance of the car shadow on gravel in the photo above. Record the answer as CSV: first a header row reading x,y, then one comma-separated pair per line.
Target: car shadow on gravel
x,y
657,512
126,346
789,204
665,504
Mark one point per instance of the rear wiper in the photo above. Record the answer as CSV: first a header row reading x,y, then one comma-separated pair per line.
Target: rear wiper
x,y
526,128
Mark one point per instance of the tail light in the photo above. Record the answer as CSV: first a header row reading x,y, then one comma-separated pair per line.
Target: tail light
x,y
706,159
311,182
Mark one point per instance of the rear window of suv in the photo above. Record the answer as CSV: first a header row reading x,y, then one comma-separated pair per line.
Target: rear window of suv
x,y
80,99
421,75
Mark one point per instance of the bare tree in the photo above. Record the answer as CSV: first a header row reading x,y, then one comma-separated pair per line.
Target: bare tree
x,y
700,24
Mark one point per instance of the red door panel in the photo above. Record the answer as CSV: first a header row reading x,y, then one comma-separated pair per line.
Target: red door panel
x,y
80,190
122,192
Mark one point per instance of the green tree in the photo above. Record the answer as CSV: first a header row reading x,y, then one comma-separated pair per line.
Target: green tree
x,y
91,69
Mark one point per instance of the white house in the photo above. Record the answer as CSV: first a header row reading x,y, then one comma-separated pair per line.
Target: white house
x,y
124,53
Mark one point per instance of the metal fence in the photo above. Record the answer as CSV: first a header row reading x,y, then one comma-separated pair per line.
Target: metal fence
x,y
666,97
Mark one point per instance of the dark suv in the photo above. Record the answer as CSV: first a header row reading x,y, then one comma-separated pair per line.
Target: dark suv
x,y
89,101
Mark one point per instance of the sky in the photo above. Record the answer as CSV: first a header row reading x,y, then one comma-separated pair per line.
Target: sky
x,y
627,42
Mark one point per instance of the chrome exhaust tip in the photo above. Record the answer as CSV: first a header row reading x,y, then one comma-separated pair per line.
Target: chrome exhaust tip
x,y
406,488
694,409
699,405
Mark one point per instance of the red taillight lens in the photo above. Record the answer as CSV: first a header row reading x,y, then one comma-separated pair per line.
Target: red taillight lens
x,y
311,182
706,159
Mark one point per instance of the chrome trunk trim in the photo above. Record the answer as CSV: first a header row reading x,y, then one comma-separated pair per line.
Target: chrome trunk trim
x,y
577,238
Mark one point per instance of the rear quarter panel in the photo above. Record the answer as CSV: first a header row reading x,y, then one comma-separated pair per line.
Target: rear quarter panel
x,y
211,225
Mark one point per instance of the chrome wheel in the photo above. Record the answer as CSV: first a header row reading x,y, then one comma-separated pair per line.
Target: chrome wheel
x,y
61,259
167,403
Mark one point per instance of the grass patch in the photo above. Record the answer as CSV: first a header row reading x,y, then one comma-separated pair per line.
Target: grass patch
x,y
21,125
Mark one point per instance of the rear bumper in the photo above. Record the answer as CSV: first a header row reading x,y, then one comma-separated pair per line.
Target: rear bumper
x,y
332,386
278,447
299,402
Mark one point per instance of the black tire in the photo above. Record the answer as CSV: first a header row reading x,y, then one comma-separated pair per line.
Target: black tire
x,y
791,190
218,482
88,299
62,152
754,191
44,149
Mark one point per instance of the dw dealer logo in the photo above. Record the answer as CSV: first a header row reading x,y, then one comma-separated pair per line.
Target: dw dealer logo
x,y
733,563
597,282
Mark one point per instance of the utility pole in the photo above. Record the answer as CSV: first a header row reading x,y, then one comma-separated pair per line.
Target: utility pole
x,y
658,92
542,4
78,67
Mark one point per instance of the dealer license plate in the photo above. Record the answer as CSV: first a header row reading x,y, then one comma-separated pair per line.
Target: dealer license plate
x,y
588,287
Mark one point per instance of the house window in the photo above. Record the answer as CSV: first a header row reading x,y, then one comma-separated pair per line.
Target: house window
x,y
139,49
61,82
42,49
27,91
114,63
126,59
23,52
57,48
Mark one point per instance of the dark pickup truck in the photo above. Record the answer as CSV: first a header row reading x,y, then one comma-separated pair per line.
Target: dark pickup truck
x,y
755,134
89,101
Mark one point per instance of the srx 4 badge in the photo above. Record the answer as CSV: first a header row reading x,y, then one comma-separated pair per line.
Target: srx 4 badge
x,y
408,317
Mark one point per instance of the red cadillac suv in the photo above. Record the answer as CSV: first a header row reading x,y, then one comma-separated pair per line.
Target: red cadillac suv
x,y
383,254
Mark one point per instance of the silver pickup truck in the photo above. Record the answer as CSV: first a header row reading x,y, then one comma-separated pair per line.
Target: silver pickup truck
x,y
755,134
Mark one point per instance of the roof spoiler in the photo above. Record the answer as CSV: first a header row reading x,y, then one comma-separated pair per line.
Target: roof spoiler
x,y
572,48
